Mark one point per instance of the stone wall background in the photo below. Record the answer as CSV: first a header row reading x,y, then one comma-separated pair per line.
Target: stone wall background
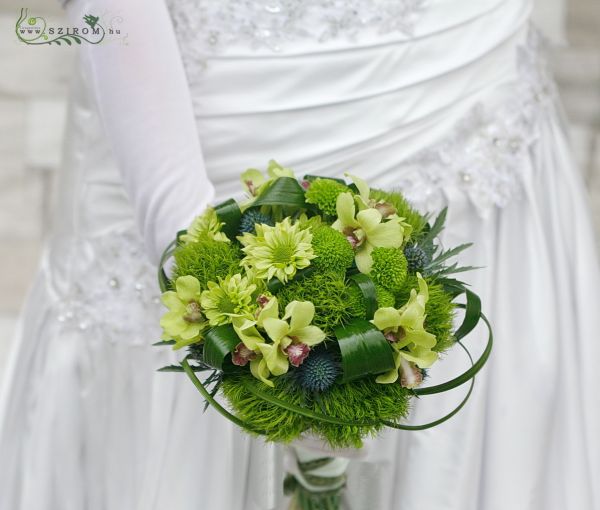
x,y
33,99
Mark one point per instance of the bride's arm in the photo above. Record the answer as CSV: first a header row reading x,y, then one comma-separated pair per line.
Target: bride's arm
x,y
144,101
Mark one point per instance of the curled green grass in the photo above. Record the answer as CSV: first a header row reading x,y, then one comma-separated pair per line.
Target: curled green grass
x,y
360,401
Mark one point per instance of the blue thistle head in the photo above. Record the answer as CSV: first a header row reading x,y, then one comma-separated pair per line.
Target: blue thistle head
x,y
318,372
251,217
416,257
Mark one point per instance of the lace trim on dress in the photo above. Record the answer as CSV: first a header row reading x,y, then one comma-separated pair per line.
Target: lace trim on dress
x,y
209,26
488,151
112,291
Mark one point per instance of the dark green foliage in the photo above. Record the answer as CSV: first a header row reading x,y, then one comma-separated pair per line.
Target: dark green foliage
x,y
251,217
207,260
416,257
333,250
403,208
439,310
389,268
334,298
357,306
323,193
318,372
363,401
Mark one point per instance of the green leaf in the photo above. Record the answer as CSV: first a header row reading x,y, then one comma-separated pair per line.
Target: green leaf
x,y
163,280
212,401
364,350
284,191
67,41
445,255
229,212
164,342
436,228
444,418
311,178
367,287
219,342
472,315
468,374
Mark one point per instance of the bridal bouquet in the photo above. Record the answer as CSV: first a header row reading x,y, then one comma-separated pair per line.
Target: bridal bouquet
x,y
315,307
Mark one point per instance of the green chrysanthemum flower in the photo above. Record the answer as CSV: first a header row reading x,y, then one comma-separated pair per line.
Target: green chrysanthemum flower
x,y
323,193
389,268
231,297
277,251
205,226
332,249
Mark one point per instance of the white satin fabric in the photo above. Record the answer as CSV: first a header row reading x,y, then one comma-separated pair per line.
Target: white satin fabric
x,y
453,109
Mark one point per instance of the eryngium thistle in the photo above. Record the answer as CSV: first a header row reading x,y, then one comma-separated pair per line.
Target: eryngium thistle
x,y
318,372
416,257
251,217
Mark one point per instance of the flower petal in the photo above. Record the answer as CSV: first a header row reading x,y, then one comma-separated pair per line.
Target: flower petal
x,y
386,318
368,219
275,358
301,314
171,301
388,234
247,332
259,369
363,258
420,356
345,211
309,335
188,288
362,186
276,329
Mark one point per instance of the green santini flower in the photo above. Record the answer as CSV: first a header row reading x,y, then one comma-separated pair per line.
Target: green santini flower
x,y
323,193
404,329
231,297
205,226
184,321
277,251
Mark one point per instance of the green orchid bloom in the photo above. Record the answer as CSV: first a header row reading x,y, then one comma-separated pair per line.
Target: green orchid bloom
x,y
367,230
255,182
292,336
184,322
291,340
207,225
278,251
229,298
404,329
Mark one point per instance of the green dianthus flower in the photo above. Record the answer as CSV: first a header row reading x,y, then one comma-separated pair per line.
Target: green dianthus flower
x,y
323,193
332,249
231,297
389,268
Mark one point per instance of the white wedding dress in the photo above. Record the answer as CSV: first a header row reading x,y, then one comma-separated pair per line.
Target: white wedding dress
x,y
446,100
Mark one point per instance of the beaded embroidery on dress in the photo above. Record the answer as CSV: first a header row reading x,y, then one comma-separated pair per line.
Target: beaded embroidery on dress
x,y
112,289
206,26
488,152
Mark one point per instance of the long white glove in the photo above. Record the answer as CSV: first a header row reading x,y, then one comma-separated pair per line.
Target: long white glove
x,y
144,102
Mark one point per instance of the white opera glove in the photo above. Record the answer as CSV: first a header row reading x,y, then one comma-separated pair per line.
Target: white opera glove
x,y
144,101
